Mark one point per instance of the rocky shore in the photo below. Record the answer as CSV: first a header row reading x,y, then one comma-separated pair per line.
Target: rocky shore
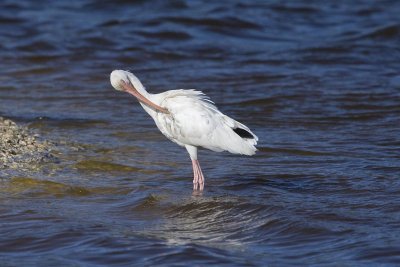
x,y
19,148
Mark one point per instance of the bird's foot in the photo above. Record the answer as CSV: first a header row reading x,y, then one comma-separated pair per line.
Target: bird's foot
x,y
195,185
198,185
198,180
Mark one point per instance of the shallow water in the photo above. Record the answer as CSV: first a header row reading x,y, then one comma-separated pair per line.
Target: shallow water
x,y
318,83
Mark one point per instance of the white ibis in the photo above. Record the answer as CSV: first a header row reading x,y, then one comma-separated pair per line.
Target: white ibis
x,y
190,119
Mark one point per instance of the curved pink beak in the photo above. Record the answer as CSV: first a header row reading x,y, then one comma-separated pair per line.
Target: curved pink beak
x,y
132,90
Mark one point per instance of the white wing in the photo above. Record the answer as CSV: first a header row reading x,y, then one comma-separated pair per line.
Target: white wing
x,y
195,120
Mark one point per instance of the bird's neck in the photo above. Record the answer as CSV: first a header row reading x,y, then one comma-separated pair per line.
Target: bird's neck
x,y
153,98
142,90
138,85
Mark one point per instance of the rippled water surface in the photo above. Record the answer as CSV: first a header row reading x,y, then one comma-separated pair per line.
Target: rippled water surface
x,y
317,81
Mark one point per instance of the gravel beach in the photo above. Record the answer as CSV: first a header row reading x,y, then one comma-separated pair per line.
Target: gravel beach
x,y
20,148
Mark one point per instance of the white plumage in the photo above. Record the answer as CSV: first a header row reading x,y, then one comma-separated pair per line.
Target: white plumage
x,y
190,119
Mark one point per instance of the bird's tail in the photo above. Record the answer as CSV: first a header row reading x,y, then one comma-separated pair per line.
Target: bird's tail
x,y
237,137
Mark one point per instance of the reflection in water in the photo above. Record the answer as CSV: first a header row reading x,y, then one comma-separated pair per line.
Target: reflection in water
x,y
211,221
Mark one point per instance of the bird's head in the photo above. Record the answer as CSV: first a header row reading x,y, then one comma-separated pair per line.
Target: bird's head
x,y
125,81
119,78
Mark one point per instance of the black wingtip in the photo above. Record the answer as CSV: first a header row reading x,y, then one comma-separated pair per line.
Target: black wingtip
x,y
243,133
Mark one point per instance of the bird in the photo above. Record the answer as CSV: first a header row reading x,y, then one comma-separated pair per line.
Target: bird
x,y
190,119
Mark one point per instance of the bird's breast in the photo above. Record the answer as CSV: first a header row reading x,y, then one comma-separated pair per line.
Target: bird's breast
x,y
188,121
169,126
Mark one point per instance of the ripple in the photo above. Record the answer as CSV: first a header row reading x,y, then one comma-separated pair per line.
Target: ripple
x,y
295,9
37,47
33,187
10,20
38,244
167,35
111,23
293,151
225,22
385,32
37,188
101,166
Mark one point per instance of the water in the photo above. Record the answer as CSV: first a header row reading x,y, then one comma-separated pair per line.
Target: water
x,y
319,83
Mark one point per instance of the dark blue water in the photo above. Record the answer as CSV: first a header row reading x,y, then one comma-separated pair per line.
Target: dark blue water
x,y
318,82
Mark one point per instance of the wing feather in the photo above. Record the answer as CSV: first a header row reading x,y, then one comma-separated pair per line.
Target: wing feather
x,y
195,120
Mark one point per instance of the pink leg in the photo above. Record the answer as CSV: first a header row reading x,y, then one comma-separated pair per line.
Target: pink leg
x,y
198,180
